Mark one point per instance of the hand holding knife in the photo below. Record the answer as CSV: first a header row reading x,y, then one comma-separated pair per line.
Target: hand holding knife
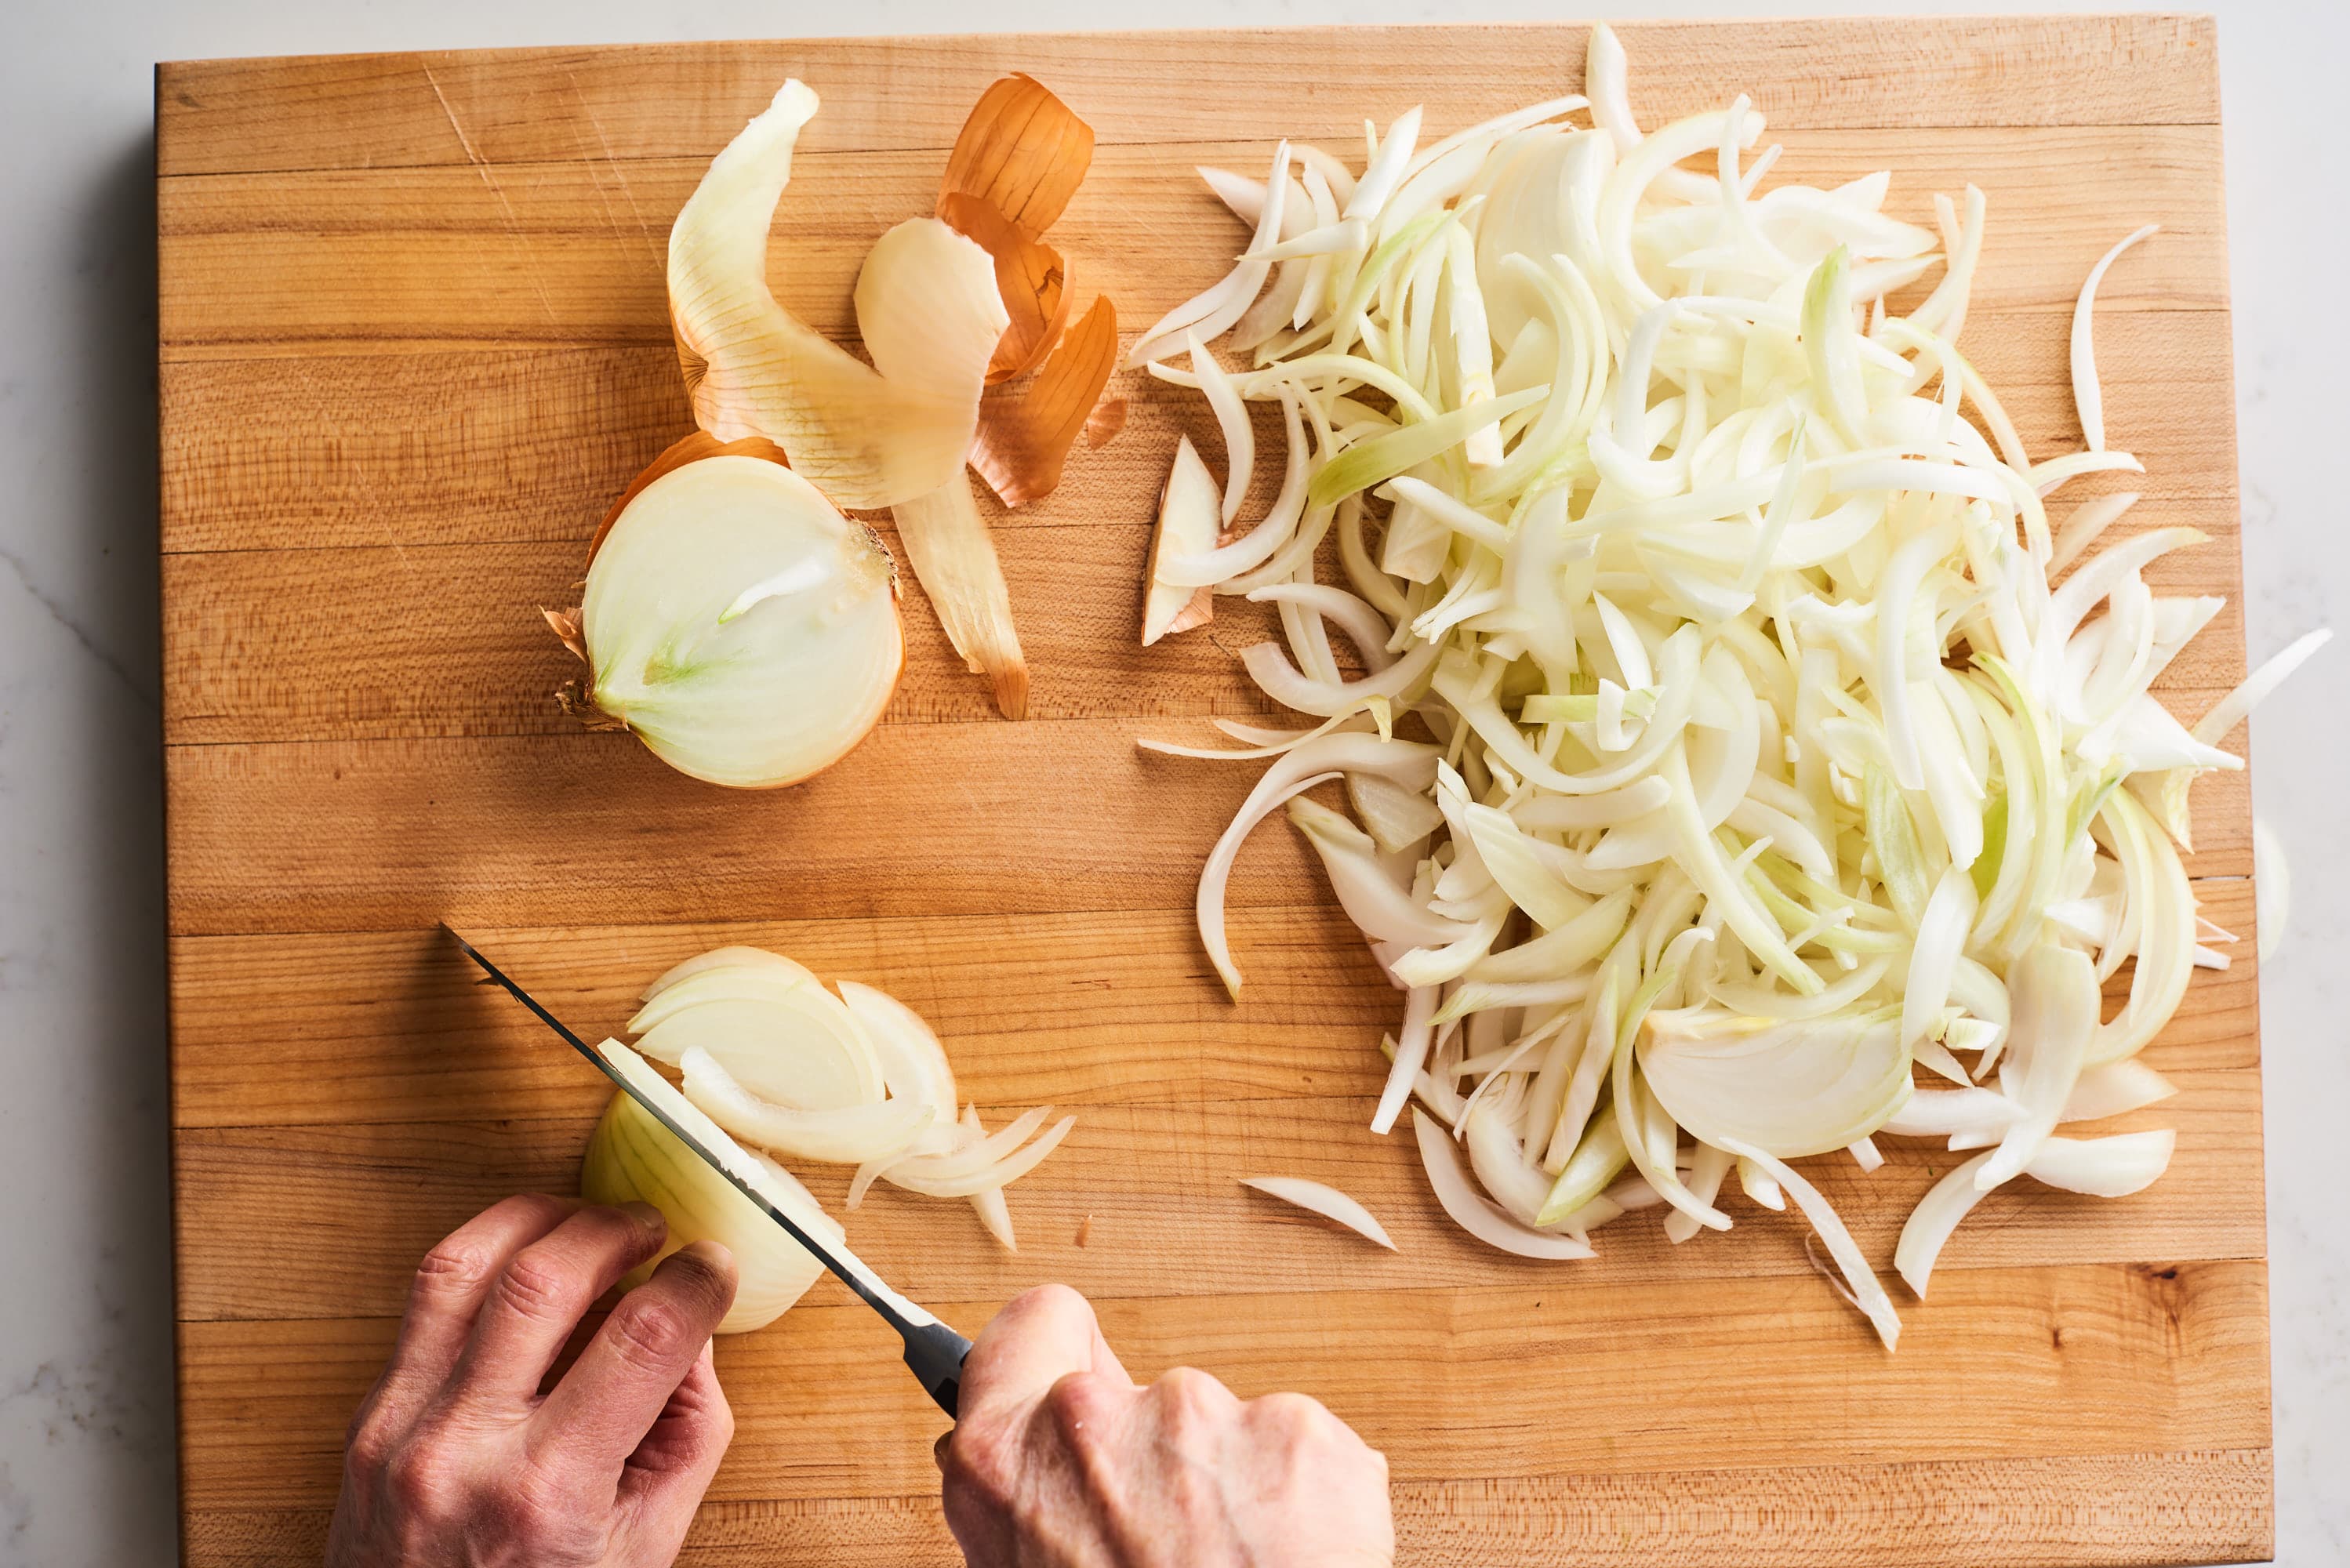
x,y
934,1352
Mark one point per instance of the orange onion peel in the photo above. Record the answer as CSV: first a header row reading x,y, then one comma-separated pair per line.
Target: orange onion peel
x,y
1023,151
1108,419
1030,277
1026,432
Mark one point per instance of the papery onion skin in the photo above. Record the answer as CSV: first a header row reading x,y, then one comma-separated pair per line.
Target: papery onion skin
x,y
954,559
1023,151
1030,275
754,370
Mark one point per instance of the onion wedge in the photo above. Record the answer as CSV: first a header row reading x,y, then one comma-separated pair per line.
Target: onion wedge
x,y
1003,1173
1189,517
632,1157
1327,1201
954,559
848,1135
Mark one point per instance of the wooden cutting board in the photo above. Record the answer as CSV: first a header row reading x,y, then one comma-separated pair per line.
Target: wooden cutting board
x,y
413,340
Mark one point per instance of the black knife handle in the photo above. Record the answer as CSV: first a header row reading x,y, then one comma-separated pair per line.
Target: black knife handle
x,y
935,1352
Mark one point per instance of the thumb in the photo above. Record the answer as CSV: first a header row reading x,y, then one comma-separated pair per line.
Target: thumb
x,y
665,1478
1039,1339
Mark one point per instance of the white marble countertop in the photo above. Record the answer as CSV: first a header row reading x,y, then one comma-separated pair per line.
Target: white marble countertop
x,y
85,1465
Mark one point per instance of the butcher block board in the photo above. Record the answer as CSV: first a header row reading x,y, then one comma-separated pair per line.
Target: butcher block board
x,y
413,340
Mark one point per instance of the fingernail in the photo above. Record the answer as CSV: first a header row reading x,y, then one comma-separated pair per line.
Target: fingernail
x,y
645,1214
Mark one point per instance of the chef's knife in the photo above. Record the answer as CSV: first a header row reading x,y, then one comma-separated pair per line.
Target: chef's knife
x,y
933,1351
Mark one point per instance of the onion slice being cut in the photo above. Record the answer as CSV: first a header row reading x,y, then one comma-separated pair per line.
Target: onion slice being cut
x,y
798,1047
1327,1201
632,1157
740,957
989,1178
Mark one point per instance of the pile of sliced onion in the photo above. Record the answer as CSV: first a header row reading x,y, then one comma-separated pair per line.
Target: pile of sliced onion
x,y
774,1064
1734,733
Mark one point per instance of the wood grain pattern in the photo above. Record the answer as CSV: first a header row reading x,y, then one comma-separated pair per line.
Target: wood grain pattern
x,y
1506,1380
564,251
390,1026
412,340
679,100
2077,1511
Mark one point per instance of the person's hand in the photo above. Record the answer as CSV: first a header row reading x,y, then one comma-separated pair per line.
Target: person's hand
x,y
456,1457
1058,1460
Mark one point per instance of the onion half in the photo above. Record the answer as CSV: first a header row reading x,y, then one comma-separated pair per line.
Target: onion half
x,y
739,625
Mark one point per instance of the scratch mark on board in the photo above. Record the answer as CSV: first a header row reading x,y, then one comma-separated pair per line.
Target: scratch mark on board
x,y
661,261
482,167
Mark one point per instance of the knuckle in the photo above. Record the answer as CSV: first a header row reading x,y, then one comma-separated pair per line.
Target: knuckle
x,y
982,1460
368,1445
456,1267
1296,1413
1052,1308
534,1286
649,1335
1054,1297
419,1478
1188,1394
1073,1400
537,1500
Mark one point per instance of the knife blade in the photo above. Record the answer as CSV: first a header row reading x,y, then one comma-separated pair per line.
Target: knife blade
x,y
934,1352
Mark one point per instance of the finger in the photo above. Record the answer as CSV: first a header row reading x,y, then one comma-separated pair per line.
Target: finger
x,y
543,1291
1039,1339
670,1469
451,1282
606,1404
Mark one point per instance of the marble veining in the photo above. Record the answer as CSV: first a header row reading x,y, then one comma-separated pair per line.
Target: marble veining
x,y
85,1453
